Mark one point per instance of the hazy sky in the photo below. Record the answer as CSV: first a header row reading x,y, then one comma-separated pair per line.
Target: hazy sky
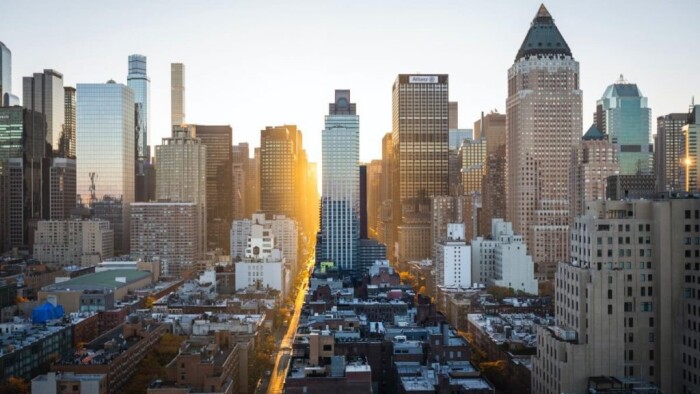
x,y
257,63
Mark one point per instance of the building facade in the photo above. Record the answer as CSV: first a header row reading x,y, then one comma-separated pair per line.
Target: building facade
x,y
219,190
177,94
453,259
472,158
279,156
138,81
691,142
492,128
166,232
594,161
668,152
624,302
181,168
62,188
44,93
623,114
73,242
543,127
106,147
340,196
66,147
24,184
502,260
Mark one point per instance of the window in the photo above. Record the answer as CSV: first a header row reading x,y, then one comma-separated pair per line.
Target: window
x,y
609,309
651,322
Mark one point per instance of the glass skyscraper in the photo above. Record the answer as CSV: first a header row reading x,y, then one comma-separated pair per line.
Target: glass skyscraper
x,y
5,70
340,202
105,141
6,97
23,186
623,114
106,148
139,82
44,92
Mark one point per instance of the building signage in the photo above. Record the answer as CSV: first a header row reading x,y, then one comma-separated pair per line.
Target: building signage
x,y
422,79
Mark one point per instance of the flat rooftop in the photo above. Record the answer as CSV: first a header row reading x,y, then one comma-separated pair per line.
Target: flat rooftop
x,y
100,280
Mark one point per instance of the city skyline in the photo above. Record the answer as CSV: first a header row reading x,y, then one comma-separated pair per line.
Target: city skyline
x,y
265,67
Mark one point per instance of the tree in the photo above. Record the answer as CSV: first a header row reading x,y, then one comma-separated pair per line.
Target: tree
x,y
15,385
148,302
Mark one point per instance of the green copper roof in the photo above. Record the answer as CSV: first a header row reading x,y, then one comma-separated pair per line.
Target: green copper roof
x,y
593,133
543,38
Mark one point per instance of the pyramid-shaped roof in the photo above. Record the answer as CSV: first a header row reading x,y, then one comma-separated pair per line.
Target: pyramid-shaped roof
x,y
543,38
593,133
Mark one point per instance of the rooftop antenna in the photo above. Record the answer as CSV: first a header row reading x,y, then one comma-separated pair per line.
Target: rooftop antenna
x,y
622,80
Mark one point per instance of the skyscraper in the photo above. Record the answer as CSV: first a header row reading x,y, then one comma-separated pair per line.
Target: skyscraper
x,y
6,97
420,128
279,153
595,160
106,148
66,146
668,152
24,159
241,175
177,94
492,128
218,140
374,197
139,82
626,307
62,190
181,167
340,195
472,159
543,127
691,143
44,93
420,134
167,232
623,114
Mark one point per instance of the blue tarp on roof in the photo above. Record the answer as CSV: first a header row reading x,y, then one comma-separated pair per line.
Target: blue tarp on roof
x,y
46,312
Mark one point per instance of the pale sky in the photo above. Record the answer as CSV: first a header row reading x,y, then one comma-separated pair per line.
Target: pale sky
x,y
251,64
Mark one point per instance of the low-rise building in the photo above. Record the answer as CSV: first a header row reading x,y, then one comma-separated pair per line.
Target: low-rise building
x,y
116,353
203,365
95,292
70,383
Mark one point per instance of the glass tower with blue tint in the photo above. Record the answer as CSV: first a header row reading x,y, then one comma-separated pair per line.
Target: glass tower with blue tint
x,y
623,114
340,203
105,148
139,82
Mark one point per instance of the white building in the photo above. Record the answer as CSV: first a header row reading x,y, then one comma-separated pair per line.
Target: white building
x,y
453,259
263,264
503,261
285,230
73,242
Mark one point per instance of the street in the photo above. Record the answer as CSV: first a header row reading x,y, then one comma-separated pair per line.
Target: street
x,y
279,372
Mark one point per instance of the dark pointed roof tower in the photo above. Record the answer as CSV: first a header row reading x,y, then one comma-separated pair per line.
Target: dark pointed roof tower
x,y
593,134
543,38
